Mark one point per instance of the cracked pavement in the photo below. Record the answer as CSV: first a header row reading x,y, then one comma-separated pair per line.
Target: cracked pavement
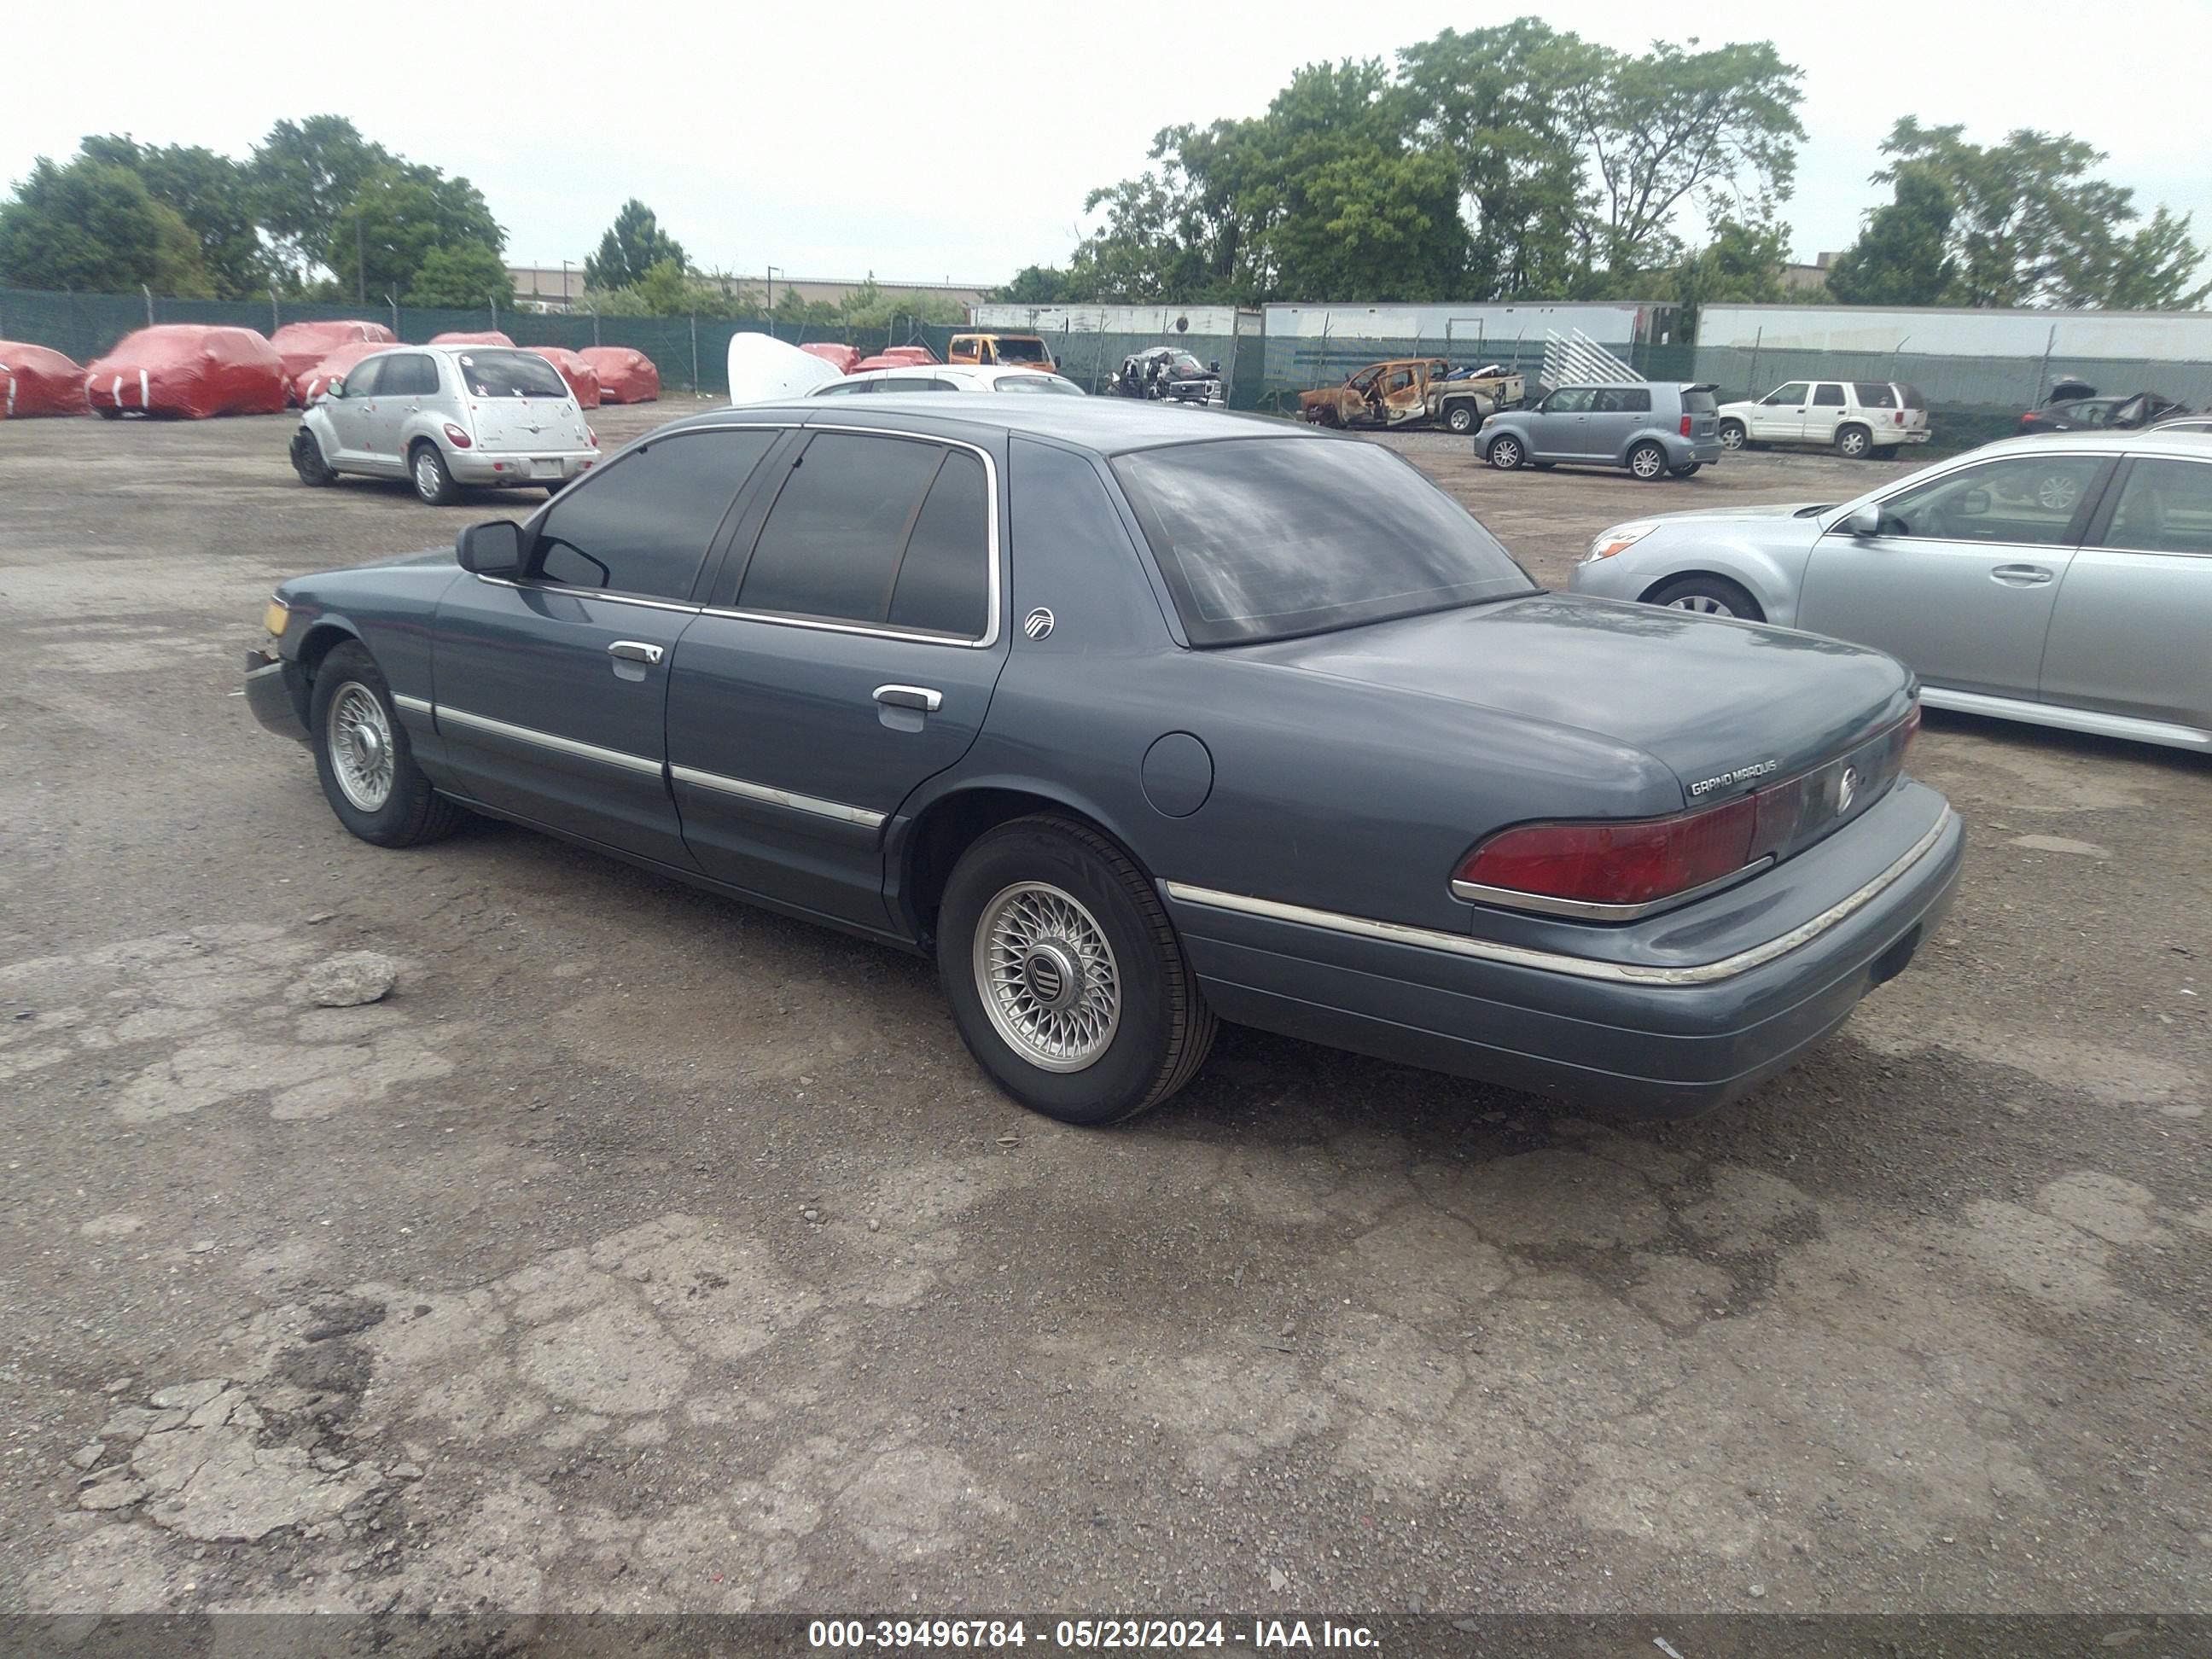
x,y
641,1252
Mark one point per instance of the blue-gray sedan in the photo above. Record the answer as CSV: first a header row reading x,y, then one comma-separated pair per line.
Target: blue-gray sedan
x,y
1136,721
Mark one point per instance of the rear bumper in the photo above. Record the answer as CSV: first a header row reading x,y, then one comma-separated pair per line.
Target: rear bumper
x,y
1668,1043
477,466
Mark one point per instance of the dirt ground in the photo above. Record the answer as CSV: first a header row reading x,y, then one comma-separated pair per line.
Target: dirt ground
x,y
645,1252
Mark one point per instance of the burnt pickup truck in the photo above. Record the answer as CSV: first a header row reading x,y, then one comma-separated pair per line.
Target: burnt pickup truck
x,y
1412,391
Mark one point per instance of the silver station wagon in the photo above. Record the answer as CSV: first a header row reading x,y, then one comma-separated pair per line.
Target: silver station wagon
x,y
442,417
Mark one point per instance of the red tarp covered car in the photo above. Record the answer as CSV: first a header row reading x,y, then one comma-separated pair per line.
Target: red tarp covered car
x,y
911,354
334,366
838,356
486,337
583,379
189,369
625,376
303,345
34,381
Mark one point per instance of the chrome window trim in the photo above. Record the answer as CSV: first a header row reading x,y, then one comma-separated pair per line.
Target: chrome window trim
x,y
413,705
1553,962
591,593
1588,910
751,791
590,751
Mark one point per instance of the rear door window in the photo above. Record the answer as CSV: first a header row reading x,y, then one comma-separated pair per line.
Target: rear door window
x,y
2165,507
853,511
643,526
1828,395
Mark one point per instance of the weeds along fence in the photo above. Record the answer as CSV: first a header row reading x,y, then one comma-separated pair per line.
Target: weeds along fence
x,y
692,354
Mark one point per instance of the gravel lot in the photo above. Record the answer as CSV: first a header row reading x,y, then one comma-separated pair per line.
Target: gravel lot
x,y
641,1251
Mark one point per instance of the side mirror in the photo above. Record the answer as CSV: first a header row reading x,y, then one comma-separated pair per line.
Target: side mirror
x,y
334,389
1214,368
1864,521
490,549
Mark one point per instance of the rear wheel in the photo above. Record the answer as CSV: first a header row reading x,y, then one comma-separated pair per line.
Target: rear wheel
x,y
363,758
1852,442
1647,461
1505,453
1688,469
1066,978
1708,596
426,469
1461,417
1733,436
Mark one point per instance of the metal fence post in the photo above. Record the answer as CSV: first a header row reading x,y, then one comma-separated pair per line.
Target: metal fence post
x,y
273,324
148,293
695,353
1752,391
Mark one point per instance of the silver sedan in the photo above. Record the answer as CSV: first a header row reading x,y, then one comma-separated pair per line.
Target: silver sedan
x,y
2064,581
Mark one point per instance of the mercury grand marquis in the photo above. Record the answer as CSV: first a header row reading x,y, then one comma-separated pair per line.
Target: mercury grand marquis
x,y
1135,723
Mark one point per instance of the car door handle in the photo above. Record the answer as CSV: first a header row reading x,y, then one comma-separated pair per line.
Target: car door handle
x,y
910,696
634,651
2020,576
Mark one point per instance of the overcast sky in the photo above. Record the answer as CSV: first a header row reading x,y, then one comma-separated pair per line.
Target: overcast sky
x,y
958,140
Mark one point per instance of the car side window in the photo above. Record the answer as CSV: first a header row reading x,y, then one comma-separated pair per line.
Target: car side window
x,y
363,378
643,526
1793,394
943,584
849,389
2165,507
1875,394
1828,395
833,541
2022,499
1568,400
403,377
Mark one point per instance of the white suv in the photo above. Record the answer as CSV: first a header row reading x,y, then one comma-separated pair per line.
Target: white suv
x,y
1856,418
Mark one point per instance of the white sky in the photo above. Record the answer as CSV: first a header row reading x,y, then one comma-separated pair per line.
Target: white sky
x,y
835,139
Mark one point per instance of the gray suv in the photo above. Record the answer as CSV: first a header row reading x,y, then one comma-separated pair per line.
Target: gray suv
x,y
444,415
1655,430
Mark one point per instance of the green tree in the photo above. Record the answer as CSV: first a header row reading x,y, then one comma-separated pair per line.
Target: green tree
x,y
1740,264
303,175
1039,285
1902,256
92,225
397,218
2032,226
632,247
214,196
1496,101
462,275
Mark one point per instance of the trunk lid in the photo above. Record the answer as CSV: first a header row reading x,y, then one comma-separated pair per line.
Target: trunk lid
x,y
544,426
1729,707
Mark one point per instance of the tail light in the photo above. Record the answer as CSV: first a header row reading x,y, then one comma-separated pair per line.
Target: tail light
x,y
459,439
1686,426
1900,418
593,436
1617,870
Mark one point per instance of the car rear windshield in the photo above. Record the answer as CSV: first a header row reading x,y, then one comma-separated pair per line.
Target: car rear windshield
x,y
510,375
1912,396
1697,400
1014,348
1261,539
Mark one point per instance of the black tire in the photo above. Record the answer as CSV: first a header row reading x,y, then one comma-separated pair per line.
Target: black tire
x,y
107,412
1688,469
1462,417
1647,461
556,488
1711,596
307,461
1162,1030
1505,453
1854,442
411,812
426,471
1734,436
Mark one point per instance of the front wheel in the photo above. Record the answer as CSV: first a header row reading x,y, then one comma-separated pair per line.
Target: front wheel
x,y
1066,978
1460,418
434,483
1708,596
1506,453
363,758
1733,436
307,460
1647,462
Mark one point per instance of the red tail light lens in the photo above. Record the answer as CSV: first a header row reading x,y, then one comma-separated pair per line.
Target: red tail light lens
x,y
459,439
1686,426
1618,863
1899,420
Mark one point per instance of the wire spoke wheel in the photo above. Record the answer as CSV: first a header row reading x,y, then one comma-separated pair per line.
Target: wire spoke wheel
x,y
360,737
1046,976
